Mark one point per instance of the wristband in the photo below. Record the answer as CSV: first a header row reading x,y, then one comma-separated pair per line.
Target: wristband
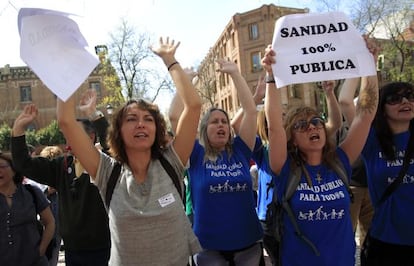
x,y
96,115
172,64
270,79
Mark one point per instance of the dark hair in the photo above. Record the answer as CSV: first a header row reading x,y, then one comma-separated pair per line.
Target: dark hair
x,y
88,127
31,148
382,128
18,177
115,141
170,133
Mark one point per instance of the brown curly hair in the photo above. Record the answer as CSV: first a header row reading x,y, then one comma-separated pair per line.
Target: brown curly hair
x,y
115,141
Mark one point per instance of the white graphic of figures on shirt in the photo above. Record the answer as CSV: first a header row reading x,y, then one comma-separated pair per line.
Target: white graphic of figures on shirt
x,y
226,187
319,214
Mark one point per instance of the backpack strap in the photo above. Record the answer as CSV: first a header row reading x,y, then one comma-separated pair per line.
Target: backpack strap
x,y
339,168
292,184
173,175
111,183
117,170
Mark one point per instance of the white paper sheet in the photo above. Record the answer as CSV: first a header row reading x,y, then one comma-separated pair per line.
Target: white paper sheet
x,y
52,45
317,47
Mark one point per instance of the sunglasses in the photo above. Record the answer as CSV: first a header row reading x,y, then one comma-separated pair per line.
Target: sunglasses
x,y
303,125
393,99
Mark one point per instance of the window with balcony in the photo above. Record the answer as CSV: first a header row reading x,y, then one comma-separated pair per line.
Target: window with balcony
x,y
25,94
253,31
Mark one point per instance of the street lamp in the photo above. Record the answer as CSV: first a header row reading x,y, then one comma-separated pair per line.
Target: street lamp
x,y
109,109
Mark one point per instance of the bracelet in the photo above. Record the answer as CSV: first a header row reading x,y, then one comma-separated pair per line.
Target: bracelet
x,y
172,64
270,79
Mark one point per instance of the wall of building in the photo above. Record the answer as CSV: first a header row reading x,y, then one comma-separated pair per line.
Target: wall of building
x,y
243,41
12,79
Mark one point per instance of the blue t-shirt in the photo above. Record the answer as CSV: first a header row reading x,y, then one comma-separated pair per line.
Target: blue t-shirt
x,y
264,190
394,218
223,200
323,216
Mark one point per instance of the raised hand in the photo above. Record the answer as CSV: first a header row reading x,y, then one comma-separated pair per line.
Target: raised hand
x,y
191,73
372,46
226,66
269,59
166,50
328,85
87,104
26,117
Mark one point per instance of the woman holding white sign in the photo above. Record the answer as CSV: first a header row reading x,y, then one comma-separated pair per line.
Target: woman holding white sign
x,y
318,230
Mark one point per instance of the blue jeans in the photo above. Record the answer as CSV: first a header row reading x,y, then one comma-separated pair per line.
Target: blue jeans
x,y
98,257
247,257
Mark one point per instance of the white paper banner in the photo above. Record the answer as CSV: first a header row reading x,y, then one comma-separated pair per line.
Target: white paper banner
x,y
52,45
317,47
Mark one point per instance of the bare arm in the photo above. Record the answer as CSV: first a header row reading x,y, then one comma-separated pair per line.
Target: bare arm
x,y
81,144
48,221
365,111
247,130
176,106
334,113
187,123
346,99
274,116
258,97
26,117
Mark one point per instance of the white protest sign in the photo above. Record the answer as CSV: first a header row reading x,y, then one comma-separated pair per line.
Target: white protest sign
x,y
317,47
52,45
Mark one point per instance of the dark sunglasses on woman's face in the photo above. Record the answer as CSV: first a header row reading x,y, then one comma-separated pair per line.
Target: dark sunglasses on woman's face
x,y
393,99
303,125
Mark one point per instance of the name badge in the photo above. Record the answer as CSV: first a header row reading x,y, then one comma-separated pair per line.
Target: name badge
x,y
166,200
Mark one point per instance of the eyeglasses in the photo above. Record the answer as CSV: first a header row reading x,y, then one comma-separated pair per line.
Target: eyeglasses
x,y
4,166
303,125
394,99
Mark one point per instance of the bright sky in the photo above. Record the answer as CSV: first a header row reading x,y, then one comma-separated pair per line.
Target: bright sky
x,y
196,23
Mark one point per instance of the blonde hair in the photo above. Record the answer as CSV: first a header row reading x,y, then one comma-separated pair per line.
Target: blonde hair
x,y
51,152
211,153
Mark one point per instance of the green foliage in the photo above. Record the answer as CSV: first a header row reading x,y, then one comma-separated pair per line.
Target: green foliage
x,y
31,138
5,133
112,83
50,135
399,60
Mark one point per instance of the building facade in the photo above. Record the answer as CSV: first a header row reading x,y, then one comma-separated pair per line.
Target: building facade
x,y
20,86
243,41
